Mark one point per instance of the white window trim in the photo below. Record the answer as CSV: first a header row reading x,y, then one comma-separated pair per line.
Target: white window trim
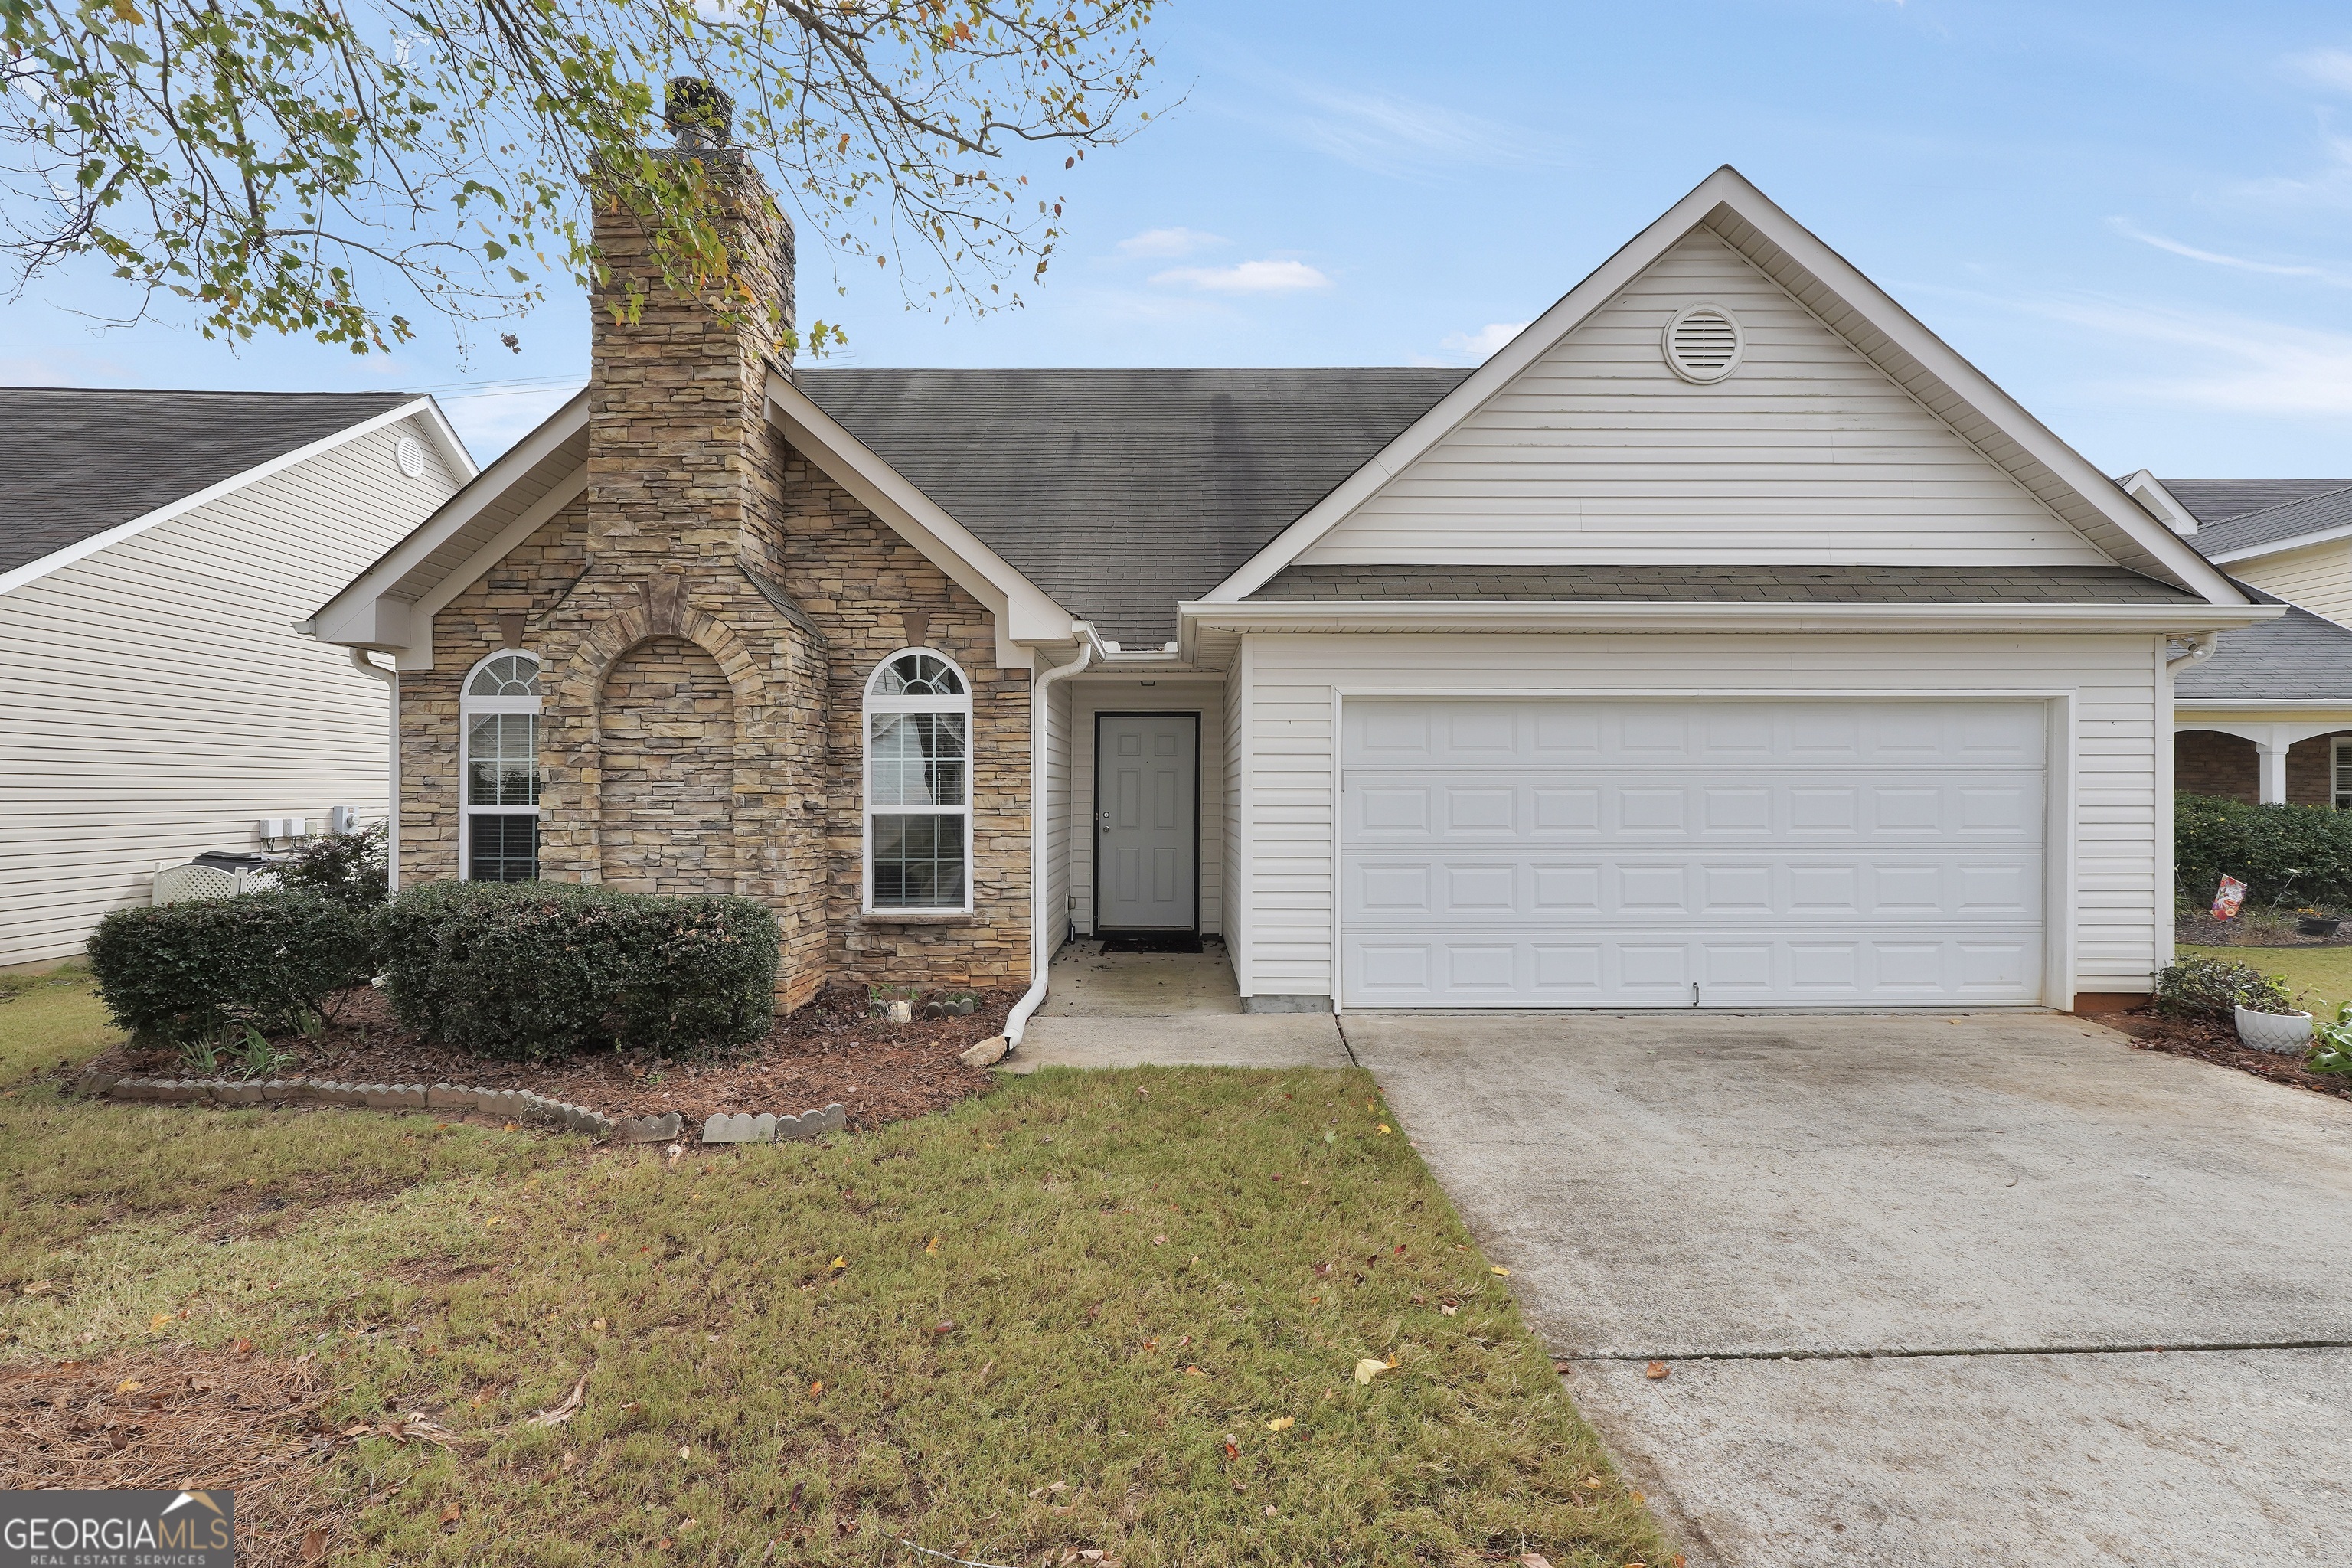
x,y
2339,772
468,706
866,710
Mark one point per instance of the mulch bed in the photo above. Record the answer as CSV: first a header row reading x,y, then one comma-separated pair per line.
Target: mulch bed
x,y
2249,930
168,1418
832,1051
2218,1045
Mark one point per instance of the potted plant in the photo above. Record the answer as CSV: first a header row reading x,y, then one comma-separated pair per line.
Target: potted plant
x,y
2311,922
2271,1025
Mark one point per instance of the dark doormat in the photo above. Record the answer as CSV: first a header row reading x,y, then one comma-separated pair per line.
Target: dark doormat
x,y
1152,941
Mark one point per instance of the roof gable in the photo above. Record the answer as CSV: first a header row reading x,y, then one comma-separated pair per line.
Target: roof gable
x,y
1924,409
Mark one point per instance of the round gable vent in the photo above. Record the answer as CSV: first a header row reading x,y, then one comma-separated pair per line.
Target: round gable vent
x,y
1703,342
410,454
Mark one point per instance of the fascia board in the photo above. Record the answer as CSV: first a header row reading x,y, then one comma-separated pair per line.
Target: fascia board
x,y
453,447
417,653
349,620
1507,363
2281,546
2145,480
1880,311
2289,709
1726,190
1025,612
1300,615
32,570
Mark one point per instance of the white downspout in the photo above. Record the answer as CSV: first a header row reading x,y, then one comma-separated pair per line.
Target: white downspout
x,y
391,679
1041,913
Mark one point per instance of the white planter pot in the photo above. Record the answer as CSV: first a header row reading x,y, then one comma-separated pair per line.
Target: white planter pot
x,y
2288,1034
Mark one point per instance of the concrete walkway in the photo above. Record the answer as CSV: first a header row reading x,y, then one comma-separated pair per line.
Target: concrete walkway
x,y
1164,1010
1905,1272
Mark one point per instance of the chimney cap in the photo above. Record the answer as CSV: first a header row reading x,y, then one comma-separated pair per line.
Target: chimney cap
x,y
698,114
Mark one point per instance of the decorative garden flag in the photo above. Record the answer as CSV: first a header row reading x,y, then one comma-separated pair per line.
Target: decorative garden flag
x,y
2229,900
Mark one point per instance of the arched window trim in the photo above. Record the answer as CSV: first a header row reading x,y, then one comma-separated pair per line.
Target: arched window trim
x,y
880,704
469,708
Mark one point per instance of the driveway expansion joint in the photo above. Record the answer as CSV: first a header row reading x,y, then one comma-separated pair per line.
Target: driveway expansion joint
x,y
1957,1351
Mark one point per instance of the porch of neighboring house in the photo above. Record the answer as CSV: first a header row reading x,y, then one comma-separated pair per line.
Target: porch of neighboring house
x,y
2265,717
2293,761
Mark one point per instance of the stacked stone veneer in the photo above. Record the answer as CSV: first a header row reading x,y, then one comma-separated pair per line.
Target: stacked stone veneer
x,y
699,737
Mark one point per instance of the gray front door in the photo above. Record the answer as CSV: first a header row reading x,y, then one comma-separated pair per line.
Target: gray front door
x,y
1147,820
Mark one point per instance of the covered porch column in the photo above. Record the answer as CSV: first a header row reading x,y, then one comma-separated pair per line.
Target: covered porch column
x,y
2271,742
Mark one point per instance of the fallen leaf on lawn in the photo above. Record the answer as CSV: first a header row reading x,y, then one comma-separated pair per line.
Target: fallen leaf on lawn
x,y
449,1514
1533,1559
1269,1510
597,1326
1369,1369
1386,1128
1448,1308
1322,1271
1654,1371
314,1545
602,1236
816,1390
1281,1424
1233,1448
557,1415
1158,1241
1194,1371
1329,1136
686,1453
934,1247
37,1288
1595,1483
1498,1271
489,1221
155,1324
837,1264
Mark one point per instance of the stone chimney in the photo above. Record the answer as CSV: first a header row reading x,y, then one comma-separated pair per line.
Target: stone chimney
x,y
679,460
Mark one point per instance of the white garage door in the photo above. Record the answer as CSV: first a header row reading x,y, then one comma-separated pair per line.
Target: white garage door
x,y
1539,853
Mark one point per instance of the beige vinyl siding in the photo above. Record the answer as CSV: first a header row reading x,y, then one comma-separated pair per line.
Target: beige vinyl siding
x,y
2317,578
1060,826
1089,697
1600,453
156,699
1289,785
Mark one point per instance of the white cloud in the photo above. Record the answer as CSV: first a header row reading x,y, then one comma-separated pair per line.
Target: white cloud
x,y
2328,67
2218,260
1481,344
2248,365
1392,135
1247,278
1166,244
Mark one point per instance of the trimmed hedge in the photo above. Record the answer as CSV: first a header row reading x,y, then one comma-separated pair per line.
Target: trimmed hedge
x,y
2212,989
530,969
2301,854
183,972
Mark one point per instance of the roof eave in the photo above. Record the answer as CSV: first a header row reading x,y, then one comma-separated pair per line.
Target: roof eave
x,y
1618,615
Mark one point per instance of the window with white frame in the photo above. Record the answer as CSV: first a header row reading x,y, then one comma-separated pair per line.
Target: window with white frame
x,y
499,721
2341,782
917,784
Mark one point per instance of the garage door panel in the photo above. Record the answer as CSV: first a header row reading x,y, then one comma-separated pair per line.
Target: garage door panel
x,y
1554,852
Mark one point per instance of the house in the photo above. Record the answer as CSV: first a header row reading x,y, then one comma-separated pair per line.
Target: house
x,y
1726,640
2267,716
156,549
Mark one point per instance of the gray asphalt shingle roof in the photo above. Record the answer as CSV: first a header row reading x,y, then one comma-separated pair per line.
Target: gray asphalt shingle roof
x,y
76,462
1787,585
2327,505
1122,492
2298,659
2212,501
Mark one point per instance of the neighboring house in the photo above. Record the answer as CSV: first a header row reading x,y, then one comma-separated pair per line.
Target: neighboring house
x,y
156,549
1726,640
2267,716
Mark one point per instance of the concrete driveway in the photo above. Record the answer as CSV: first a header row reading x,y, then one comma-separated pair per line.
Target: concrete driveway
x,y
1907,1274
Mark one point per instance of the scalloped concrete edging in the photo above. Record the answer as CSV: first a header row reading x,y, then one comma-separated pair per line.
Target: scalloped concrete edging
x,y
743,1127
519,1104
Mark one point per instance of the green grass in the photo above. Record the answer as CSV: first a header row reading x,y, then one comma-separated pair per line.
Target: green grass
x,y
2323,975
1052,1310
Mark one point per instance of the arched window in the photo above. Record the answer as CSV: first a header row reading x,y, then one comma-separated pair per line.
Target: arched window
x,y
917,784
499,769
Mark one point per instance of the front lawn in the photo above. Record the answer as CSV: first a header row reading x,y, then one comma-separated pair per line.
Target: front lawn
x,y
1112,1313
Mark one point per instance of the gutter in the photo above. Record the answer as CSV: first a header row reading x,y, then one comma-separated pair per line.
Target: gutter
x,y
391,679
1041,914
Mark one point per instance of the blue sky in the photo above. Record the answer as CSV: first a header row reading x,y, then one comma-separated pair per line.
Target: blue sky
x,y
2132,216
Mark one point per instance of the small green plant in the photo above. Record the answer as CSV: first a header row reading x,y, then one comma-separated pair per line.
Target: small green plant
x,y
2331,1045
2209,990
351,868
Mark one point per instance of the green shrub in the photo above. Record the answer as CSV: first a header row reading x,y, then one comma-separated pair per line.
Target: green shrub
x,y
187,973
2209,989
2302,853
351,867
530,969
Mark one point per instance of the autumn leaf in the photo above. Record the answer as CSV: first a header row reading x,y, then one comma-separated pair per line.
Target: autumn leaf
x,y
1448,1308
837,1264
1655,1371
1386,1129
1194,1371
155,1324
1369,1369
449,1515
1498,1271
1280,1424
816,1390
934,1247
127,1385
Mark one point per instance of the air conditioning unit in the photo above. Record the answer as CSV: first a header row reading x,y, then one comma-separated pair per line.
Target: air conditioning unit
x,y
216,875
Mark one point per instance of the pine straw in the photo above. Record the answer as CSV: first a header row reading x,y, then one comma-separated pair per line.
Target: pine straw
x,y
169,1419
